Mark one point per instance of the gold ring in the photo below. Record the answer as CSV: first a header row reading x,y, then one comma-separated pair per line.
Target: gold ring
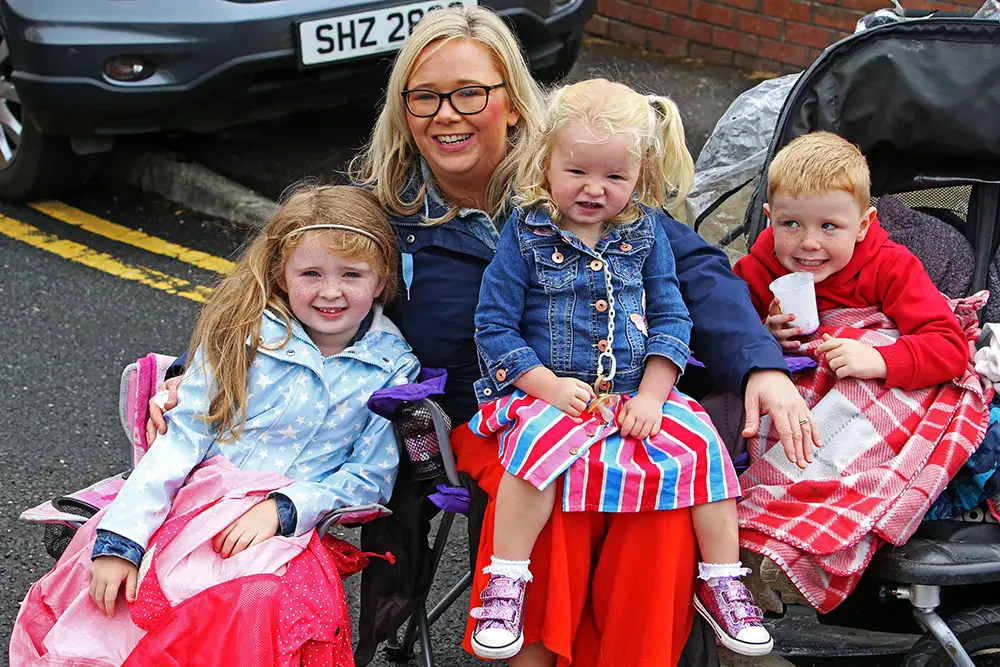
x,y
803,422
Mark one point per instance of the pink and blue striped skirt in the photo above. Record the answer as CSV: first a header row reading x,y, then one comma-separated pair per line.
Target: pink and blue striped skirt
x,y
685,464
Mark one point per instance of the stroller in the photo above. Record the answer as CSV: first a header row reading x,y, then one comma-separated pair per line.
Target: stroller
x,y
920,95
391,594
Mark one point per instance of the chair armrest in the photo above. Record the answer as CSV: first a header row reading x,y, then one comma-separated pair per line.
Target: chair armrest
x,y
352,516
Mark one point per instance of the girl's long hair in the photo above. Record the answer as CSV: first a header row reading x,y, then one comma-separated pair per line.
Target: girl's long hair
x,y
227,334
652,122
383,166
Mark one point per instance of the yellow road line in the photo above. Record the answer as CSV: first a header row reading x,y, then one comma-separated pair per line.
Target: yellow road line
x,y
122,234
101,261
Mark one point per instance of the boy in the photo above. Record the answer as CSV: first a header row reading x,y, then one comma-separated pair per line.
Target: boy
x,y
822,223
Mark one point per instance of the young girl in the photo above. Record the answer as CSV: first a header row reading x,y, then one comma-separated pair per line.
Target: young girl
x,y
582,332
272,431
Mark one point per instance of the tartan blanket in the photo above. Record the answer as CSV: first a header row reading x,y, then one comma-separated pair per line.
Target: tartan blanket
x,y
886,455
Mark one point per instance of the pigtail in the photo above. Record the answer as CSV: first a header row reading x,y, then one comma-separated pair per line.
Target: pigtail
x,y
668,169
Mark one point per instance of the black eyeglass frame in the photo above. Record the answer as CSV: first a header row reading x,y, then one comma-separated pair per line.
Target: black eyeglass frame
x,y
441,97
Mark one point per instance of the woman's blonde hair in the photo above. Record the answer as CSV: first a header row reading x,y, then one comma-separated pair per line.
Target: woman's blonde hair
x,y
233,314
384,164
608,110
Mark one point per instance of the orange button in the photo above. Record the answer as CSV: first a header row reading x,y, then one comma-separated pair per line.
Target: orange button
x,y
601,305
597,265
604,385
501,375
574,451
557,257
625,247
602,345
487,392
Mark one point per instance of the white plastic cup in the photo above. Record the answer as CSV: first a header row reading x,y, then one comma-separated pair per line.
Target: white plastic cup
x,y
797,294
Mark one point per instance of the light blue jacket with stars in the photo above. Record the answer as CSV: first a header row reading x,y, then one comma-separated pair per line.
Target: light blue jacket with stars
x,y
307,418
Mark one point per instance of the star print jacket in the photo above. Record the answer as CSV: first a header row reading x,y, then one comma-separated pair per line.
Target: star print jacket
x,y
307,418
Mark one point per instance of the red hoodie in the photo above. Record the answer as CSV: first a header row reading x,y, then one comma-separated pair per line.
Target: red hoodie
x,y
932,349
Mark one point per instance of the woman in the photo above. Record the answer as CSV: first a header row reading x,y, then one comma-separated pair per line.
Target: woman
x,y
458,101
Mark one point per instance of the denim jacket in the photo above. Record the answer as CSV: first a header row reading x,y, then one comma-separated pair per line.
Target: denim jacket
x,y
545,302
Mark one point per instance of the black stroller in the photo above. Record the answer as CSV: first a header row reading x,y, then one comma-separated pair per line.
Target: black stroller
x,y
921,97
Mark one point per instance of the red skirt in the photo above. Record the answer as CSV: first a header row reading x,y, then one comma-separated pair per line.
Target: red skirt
x,y
609,590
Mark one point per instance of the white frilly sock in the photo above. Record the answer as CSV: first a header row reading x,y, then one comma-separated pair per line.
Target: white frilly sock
x,y
514,569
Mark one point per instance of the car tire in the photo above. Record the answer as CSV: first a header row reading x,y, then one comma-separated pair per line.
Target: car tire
x,y
37,165
567,58
977,629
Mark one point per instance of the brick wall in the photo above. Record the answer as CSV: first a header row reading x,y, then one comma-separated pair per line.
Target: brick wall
x,y
770,35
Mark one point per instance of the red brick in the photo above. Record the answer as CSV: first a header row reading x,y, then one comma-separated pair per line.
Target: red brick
x,y
680,7
752,5
649,18
669,44
597,25
615,9
834,17
784,53
712,13
809,35
755,24
734,41
864,5
711,55
757,64
626,33
787,9
696,32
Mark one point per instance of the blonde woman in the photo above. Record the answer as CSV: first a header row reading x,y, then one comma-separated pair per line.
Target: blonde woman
x,y
272,432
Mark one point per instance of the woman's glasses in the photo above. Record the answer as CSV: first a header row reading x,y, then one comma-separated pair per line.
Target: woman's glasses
x,y
467,100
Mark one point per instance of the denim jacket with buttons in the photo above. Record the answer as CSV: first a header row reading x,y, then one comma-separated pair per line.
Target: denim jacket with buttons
x,y
544,302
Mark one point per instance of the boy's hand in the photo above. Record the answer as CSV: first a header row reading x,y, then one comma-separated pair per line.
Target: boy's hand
x,y
641,417
106,576
851,358
568,394
256,525
778,322
157,425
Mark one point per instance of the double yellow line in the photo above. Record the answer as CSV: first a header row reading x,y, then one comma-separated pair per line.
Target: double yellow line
x,y
81,254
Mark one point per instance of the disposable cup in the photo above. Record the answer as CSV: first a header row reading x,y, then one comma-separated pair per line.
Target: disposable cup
x,y
797,294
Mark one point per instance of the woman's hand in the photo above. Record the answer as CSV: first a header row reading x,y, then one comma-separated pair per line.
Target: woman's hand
x,y
779,324
256,525
641,417
157,424
568,394
771,392
852,358
106,576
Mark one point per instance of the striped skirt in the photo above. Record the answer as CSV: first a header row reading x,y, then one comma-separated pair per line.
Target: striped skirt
x,y
685,464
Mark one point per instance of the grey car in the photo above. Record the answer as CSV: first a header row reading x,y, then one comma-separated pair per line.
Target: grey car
x,y
74,74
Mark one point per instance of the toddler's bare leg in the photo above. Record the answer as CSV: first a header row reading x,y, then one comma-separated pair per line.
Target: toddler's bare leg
x,y
716,530
521,513
533,655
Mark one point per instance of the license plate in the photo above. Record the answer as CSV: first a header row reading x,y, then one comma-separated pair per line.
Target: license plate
x,y
364,33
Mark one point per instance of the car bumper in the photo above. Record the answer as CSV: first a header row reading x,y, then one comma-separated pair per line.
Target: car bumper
x,y
234,61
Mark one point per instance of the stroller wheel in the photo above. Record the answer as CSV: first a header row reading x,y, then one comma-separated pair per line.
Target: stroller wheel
x,y
978,629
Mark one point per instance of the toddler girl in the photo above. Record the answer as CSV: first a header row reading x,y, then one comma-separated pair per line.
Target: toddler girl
x,y
582,332
272,431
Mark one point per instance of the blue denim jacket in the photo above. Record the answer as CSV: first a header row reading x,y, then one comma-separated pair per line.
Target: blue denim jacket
x,y
544,302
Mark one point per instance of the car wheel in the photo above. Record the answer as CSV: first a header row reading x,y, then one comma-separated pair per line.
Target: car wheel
x,y
567,58
977,629
32,164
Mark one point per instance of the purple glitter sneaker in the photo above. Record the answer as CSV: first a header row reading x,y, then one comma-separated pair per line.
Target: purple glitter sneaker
x,y
729,608
498,634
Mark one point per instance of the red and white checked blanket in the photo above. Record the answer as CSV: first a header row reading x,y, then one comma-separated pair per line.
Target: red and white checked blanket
x,y
886,455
